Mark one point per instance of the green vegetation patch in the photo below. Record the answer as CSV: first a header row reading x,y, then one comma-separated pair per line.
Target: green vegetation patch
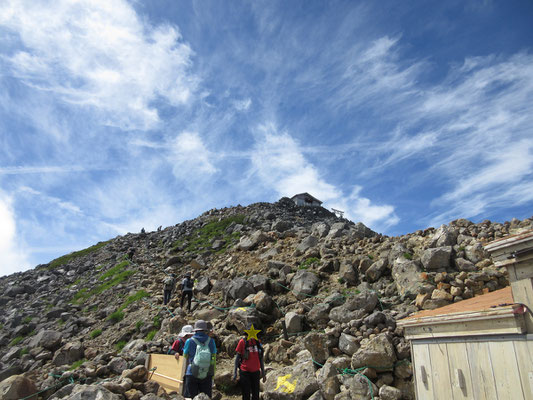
x,y
94,334
16,340
27,319
308,262
131,299
77,364
111,278
139,325
150,335
117,316
408,256
157,322
202,238
120,345
68,257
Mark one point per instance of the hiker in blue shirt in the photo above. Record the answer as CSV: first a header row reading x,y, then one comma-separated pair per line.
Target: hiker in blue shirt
x,y
200,351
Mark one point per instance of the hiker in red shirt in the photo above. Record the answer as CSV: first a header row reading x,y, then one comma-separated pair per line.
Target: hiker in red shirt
x,y
249,361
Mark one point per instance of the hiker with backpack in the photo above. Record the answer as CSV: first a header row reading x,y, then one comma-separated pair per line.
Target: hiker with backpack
x,y
200,351
249,362
186,289
178,345
168,287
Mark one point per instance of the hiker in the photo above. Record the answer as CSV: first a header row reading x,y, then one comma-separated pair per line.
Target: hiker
x,y
131,253
168,287
186,289
200,351
179,344
249,362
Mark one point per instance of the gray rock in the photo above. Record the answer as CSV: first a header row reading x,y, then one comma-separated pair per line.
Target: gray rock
x,y
376,270
47,339
377,352
355,307
17,387
348,344
204,285
464,265
281,226
444,236
348,273
389,393
320,229
253,241
319,315
91,392
68,354
304,284
318,345
117,365
306,244
406,275
239,288
359,388
436,258
294,322
296,382
263,302
259,282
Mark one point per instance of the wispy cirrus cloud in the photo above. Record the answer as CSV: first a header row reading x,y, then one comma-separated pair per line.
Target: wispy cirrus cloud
x,y
100,55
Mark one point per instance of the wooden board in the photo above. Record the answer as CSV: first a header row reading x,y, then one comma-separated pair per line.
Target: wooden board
x,y
442,388
462,385
422,370
524,353
169,372
481,370
505,368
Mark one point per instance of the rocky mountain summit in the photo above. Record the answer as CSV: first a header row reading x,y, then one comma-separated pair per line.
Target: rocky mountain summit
x,y
81,326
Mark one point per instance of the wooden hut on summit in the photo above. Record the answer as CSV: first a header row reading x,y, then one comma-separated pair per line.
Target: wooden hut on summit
x,y
305,199
480,348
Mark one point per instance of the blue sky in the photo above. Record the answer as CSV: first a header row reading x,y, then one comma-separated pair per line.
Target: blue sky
x,y
118,115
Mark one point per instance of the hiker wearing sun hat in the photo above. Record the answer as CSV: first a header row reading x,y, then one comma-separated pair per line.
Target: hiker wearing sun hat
x,y
179,344
200,351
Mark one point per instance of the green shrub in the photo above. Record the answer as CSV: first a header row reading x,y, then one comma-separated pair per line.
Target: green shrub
x,y
151,335
83,294
16,340
137,296
117,316
27,319
77,364
95,333
139,325
25,350
201,238
408,256
120,345
113,271
157,322
308,262
66,258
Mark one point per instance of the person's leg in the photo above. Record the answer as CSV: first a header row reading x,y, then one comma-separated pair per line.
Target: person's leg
x,y
192,386
166,295
190,299
182,299
254,383
245,384
186,385
206,386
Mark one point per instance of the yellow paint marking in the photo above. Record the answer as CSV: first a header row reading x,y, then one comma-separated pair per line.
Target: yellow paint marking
x,y
285,385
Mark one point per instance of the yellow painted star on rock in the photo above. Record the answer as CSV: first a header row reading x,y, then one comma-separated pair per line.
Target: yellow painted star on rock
x,y
252,333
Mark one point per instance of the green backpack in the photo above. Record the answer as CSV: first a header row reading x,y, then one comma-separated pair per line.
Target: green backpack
x,y
201,362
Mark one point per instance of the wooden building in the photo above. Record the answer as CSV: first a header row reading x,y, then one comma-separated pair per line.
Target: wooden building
x,y
480,348
305,199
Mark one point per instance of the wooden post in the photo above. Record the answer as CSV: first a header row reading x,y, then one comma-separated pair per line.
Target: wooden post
x,y
285,334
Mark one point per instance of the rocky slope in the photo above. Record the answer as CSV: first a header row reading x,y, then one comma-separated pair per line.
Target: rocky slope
x,y
81,326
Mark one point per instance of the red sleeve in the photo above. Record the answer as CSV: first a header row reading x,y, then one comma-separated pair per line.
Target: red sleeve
x,y
240,347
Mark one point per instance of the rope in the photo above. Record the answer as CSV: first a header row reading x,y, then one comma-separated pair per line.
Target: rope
x,y
70,380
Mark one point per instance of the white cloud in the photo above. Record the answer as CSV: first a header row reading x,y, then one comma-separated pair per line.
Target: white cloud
x,y
99,54
242,105
279,163
190,158
13,256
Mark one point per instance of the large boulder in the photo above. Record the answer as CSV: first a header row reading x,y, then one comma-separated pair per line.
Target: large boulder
x,y
241,318
318,345
306,244
376,270
375,353
348,273
304,284
296,382
16,387
319,315
436,258
444,236
407,277
91,392
355,307
294,322
68,354
48,339
253,241
348,344
239,288
204,285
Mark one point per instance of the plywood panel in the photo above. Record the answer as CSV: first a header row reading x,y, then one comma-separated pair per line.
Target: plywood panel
x,y
440,372
459,366
169,371
505,369
422,370
481,370
524,354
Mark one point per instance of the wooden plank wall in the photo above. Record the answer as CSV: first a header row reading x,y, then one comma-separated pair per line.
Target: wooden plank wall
x,y
468,368
169,371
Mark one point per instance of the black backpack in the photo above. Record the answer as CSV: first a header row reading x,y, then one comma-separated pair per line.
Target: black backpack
x,y
189,283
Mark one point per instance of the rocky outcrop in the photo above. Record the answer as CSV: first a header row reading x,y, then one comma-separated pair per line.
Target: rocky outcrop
x,y
85,324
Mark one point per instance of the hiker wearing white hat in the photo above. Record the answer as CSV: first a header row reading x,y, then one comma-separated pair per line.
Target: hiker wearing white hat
x,y
178,345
